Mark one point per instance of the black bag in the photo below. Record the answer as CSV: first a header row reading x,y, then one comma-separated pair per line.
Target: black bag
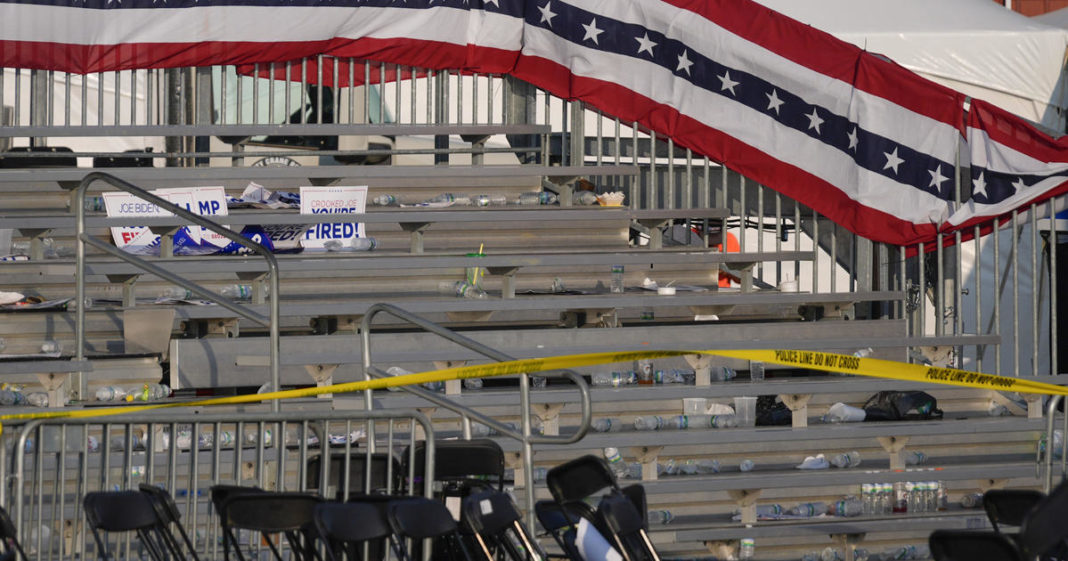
x,y
771,413
898,406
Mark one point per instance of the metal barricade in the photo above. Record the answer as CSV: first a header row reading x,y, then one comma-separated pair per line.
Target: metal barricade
x,y
55,463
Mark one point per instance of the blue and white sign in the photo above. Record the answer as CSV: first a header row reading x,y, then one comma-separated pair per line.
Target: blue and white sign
x,y
208,201
333,200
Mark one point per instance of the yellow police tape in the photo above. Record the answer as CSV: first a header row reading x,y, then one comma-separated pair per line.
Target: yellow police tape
x,y
815,360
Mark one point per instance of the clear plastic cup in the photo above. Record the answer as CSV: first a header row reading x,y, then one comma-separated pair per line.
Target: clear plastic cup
x,y
745,411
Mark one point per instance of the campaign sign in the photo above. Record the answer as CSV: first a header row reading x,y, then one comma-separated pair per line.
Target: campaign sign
x,y
333,200
277,238
210,202
187,240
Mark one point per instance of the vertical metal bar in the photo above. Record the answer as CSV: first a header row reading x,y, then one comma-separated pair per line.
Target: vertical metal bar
x,y
743,211
1016,230
759,273
66,95
656,199
1053,289
1035,249
319,89
256,93
304,80
669,183
921,267
133,97
270,93
778,236
816,250
18,97
940,293
996,234
336,89
288,84
834,257
797,242
634,187
978,278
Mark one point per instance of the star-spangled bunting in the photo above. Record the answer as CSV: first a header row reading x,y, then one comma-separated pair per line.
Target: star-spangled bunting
x,y
859,139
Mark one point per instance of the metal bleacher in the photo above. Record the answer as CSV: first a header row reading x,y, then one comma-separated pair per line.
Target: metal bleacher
x,y
547,276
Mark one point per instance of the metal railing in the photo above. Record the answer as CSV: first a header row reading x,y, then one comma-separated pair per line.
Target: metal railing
x,y
83,238
54,463
466,413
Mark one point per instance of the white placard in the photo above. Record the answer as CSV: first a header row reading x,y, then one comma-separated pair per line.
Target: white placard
x,y
207,201
333,200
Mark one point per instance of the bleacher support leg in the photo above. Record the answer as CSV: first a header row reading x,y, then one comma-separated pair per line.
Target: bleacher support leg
x,y
647,455
323,374
746,500
895,446
798,404
702,365
549,413
55,384
846,542
452,387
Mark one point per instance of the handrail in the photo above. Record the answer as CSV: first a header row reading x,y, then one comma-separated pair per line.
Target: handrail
x,y
82,238
466,412
1051,414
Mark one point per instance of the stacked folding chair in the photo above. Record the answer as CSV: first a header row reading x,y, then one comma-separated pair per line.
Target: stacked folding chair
x,y
619,517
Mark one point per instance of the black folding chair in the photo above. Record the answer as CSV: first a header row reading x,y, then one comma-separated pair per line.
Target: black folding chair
x,y
1009,507
168,515
1044,531
560,526
289,514
219,495
9,536
461,466
574,483
970,545
626,527
128,511
348,528
386,474
418,518
498,528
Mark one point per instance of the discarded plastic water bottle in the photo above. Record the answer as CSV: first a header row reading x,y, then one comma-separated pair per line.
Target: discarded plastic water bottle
x,y
846,459
111,393
998,410
863,353
723,421
237,291
537,198
915,458
902,553
811,556
670,467
539,474
585,198
443,198
809,509
462,289
615,462
722,373
175,293
617,286
860,554
94,203
384,200
706,466
479,430
50,346
605,424
840,412
660,517
746,465
472,383
7,397
971,500
771,510
849,506
37,399
830,554
649,422
683,422
614,379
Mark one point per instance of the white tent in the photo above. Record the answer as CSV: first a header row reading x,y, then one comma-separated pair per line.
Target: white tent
x,y
976,47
